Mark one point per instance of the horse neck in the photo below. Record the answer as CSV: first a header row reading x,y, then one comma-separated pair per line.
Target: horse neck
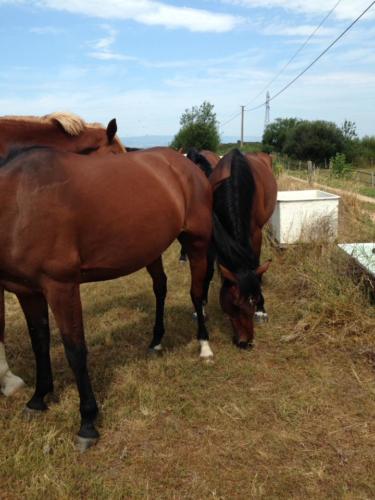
x,y
24,133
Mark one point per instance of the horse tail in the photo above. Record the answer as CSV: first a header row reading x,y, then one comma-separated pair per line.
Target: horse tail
x,y
194,156
232,209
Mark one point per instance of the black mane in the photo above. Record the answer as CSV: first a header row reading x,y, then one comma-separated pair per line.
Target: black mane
x,y
202,162
232,207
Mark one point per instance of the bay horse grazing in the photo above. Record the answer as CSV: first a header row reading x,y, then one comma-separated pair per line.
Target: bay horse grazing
x,y
81,219
63,131
244,191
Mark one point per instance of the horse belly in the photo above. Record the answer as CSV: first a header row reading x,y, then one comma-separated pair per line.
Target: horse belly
x,y
122,241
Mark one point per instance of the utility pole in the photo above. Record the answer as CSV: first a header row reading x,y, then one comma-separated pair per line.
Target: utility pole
x,y
242,123
268,107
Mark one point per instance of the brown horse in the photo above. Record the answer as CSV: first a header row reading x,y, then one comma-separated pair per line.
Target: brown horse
x,y
211,157
81,219
245,193
206,161
65,132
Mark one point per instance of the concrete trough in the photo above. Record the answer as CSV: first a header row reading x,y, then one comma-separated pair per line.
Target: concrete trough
x,y
363,254
304,216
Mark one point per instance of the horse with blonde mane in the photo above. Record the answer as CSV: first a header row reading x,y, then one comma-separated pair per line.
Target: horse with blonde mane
x,y
62,131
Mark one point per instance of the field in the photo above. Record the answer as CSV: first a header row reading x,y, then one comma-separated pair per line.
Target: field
x,y
291,419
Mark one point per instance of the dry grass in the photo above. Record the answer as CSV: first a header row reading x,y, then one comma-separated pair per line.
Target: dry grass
x,y
292,419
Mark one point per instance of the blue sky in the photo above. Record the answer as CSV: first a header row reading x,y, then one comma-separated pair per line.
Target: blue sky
x,y
144,61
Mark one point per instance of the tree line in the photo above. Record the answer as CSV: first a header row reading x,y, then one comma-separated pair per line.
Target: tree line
x,y
318,140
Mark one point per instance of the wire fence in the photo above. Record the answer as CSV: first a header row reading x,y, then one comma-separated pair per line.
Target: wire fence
x,y
366,177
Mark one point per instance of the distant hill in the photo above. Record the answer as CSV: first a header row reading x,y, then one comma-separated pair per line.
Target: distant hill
x,y
149,141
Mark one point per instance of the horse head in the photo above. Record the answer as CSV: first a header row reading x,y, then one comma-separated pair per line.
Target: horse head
x,y
239,296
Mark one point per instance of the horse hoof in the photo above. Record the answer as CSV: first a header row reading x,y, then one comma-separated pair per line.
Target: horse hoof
x,y
261,317
155,351
244,345
83,444
11,384
31,414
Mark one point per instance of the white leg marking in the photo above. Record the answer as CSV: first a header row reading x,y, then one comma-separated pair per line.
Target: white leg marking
x,y
206,351
9,382
261,317
158,347
195,315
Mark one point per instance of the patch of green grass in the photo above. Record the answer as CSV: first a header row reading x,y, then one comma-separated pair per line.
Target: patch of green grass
x,y
367,191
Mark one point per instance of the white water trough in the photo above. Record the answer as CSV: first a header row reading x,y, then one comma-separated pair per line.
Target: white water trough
x,y
363,254
303,215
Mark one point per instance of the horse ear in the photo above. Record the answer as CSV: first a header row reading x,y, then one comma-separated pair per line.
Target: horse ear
x,y
228,275
111,130
263,268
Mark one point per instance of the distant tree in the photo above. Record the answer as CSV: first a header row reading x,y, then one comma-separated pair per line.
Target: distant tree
x,y
275,135
367,148
314,140
349,130
199,129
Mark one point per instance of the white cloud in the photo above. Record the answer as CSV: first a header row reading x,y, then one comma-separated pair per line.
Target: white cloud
x,y
46,30
150,12
349,9
300,30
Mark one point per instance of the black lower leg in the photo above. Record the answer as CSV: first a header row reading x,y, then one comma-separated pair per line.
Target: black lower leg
x,y
183,254
77,355
209,275
202,333
36,313
260,304
159,284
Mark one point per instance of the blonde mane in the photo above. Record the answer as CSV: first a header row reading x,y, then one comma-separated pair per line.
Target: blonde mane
x,y
71,123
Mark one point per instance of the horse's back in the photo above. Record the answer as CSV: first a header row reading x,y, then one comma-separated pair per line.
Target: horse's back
x,y
260,165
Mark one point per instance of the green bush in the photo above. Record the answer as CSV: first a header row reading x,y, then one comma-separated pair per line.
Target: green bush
x,y
339,166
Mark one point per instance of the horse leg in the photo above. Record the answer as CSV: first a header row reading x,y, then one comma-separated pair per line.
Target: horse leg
x,y
210,272
197,252
183,256
65,302
159,284
260,315
35,310
9,383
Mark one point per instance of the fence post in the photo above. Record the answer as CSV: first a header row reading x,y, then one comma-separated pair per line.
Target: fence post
x,y
309,171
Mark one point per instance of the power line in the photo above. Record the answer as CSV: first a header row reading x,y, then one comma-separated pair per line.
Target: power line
x,y
316,59
296,53
230,119
233,117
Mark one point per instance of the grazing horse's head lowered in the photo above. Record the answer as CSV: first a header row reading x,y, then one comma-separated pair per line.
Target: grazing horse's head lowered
x,y
244,198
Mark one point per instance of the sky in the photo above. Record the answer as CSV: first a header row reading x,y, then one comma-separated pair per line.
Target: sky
x,y
145,62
